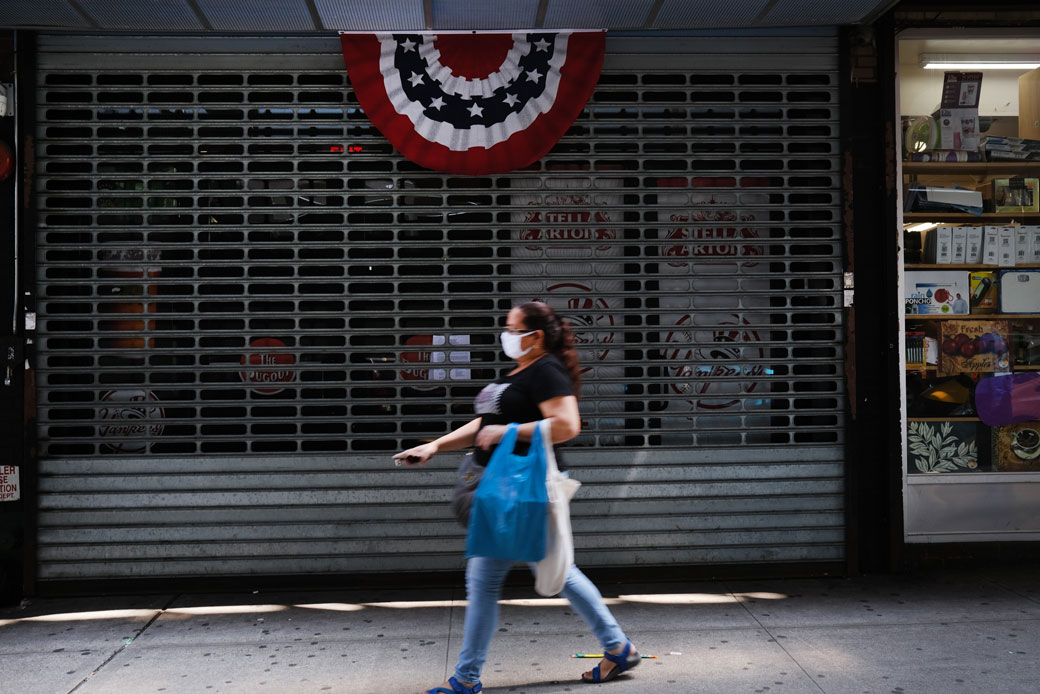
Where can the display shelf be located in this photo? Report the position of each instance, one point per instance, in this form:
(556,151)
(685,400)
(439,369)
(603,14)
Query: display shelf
(969,316)
(970,167)
(968,217)
(982,169)
(981,477)
(1014,368)
(968,266)
(943,419)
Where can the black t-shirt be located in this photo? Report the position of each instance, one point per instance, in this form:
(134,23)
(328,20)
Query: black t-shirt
(516,398)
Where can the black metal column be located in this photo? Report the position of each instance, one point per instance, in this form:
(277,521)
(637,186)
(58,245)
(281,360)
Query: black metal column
(869,136)
(17,471)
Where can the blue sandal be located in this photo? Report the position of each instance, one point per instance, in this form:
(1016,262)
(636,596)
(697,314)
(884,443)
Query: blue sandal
(623,661)
(456,688)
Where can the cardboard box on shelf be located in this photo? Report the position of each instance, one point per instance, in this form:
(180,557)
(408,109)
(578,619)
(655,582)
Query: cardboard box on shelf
(983,291)
(1001,148)
(958,128)
(1017,194)
(939,199)
(936,292)
(1006,247)
(1026,343)
(1020,291)
(1023,155)
(958,116)
(973,250)
(1029,105)
(947,155)
(938,245)
(960,245)
(991,245)
(1023,243)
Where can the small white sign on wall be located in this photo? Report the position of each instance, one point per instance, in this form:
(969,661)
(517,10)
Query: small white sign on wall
(10,488)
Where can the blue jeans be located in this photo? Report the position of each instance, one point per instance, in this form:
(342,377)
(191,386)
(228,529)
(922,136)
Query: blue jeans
(484,579)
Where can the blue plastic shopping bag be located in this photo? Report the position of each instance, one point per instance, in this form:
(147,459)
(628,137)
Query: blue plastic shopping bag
(510,510)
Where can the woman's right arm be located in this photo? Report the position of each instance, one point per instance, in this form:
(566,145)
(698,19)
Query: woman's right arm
(463,437)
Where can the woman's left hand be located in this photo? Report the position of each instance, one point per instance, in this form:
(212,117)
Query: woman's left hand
(490,435)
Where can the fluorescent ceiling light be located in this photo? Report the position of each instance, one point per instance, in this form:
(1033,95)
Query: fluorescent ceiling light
(979,61)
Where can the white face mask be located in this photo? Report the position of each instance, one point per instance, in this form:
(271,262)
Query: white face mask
(511,344)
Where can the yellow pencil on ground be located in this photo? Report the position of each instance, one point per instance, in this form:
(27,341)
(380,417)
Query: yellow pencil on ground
(600,655)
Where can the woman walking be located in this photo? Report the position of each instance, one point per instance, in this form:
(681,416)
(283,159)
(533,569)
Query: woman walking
(543,385)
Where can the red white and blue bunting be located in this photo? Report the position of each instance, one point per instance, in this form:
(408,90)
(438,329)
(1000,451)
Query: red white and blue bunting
(473,103)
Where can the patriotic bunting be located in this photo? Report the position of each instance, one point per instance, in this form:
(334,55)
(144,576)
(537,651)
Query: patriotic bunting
(473,103)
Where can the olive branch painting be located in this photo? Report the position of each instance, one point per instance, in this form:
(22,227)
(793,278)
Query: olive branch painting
(935,448)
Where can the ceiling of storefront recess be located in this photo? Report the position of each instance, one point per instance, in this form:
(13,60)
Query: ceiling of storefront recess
(306,16)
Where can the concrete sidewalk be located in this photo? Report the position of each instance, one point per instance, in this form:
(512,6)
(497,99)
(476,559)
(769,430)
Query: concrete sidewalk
(945,631)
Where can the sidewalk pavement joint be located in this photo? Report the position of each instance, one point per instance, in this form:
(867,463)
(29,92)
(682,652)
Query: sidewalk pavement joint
(126,642)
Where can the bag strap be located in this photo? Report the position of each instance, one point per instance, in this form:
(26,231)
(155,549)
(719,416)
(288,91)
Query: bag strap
(508,440)
(545,430)
(539,437)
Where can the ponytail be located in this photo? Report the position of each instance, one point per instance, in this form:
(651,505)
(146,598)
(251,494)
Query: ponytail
(559,338)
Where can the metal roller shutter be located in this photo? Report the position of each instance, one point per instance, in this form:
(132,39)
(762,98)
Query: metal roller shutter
(248,302)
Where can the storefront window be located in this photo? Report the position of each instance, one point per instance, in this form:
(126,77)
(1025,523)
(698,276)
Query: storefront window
(971,269)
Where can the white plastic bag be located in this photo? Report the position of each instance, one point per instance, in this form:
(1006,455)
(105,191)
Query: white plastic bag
(551,571)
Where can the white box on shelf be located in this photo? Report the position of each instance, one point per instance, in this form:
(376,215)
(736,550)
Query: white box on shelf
(953,196)
(959,128)
(1023,243)
(973,249)
(1020,291)
(991,245)
(1034,245)
(943,245)
(1006,247)
(959,246)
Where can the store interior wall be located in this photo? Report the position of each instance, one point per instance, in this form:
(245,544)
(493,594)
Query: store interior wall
(920,89)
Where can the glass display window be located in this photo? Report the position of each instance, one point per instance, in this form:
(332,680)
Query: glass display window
(970,147)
